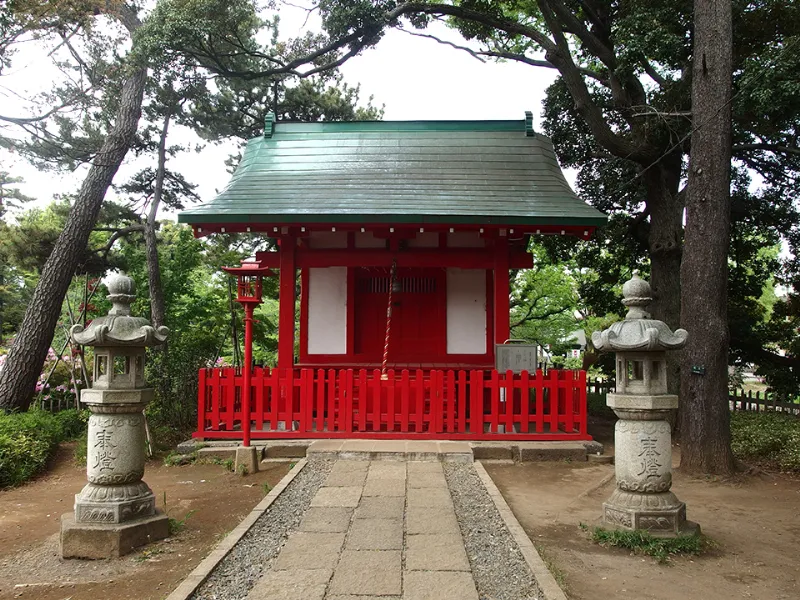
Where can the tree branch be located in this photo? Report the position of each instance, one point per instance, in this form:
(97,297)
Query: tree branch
(557,52)
(778,149)
(776,359)
(118,233)
(654,75)
(540,63)
(38,118)
(470,51)
(540,317)
(595,45)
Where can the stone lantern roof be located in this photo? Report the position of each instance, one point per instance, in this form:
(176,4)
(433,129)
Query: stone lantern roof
(638,331)
(119,328)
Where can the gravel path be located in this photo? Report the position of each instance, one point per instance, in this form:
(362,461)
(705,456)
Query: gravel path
(254,553)
(498,567)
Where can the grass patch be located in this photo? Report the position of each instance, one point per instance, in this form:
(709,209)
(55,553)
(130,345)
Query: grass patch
(174,459)
(226,463)
(29,439)
(149,553)
(768,438)
(81,451)
(175,525)
(642,542)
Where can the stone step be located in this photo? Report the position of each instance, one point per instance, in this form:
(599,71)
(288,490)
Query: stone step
(444,451)
(440,450)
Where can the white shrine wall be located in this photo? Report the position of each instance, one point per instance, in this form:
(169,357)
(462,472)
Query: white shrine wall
(327,310)
(466,311)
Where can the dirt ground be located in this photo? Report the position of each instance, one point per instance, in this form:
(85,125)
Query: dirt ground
(30,517)
(754,522)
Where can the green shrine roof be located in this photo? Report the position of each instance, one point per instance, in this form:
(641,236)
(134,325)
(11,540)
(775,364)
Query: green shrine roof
(487,172)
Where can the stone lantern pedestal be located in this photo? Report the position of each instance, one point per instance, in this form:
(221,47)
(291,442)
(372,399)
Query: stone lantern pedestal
(643,435)
(116,511)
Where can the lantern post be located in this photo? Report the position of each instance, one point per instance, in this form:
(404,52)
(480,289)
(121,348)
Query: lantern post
(642,499)
(116,511)
(249,294)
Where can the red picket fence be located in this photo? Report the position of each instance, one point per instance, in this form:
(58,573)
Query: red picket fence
(428,404)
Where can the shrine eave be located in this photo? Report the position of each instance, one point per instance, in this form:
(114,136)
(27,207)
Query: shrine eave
(197,218)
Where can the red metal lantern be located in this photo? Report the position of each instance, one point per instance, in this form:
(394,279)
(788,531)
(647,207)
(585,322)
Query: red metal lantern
(248,294)
(249,276)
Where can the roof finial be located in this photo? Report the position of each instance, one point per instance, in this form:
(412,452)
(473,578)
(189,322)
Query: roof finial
(121,293)
(529,124)
(636,295)
(269,124)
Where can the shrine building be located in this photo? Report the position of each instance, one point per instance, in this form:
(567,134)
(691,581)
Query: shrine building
(404,235)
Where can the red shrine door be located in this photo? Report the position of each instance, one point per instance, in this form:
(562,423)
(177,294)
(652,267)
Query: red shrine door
(419,318)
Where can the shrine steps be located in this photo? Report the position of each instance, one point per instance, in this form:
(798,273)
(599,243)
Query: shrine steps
(445,451)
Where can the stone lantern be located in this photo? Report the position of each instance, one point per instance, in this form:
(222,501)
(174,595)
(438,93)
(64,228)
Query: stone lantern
(643,436)
(116,511)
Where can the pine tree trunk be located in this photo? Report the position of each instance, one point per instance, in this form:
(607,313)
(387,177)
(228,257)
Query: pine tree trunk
(27,354)
(666,229)
(705,416)
(158,311)
(665,205)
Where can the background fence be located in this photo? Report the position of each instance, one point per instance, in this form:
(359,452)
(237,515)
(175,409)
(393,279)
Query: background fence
(739,400)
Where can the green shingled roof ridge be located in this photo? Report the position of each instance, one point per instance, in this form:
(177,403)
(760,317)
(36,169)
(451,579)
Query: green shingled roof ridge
(268,164)
(290,127)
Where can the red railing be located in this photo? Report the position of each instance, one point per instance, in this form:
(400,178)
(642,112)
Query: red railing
(430,404)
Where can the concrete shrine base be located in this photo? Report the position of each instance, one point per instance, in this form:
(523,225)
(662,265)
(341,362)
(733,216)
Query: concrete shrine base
(111,540)
(247,459)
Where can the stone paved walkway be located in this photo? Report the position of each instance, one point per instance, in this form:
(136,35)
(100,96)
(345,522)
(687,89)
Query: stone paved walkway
(379,530)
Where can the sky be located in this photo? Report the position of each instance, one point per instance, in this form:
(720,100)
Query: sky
(412,77)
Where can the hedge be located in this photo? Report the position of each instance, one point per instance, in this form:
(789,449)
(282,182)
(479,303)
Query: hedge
(29,439)
(767,437)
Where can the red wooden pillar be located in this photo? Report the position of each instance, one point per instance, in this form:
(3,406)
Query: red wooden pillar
(501,291)
(286,298)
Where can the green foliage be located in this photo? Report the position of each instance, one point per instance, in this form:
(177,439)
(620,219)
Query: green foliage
(764,181)
(642,542)
(544,301)
(196,298)
(72,422)
(174,459)
(175,525)
(245,51)
(226,463)
(28,440)
(567,362)
(81,452)
(596,406)
(769,438)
